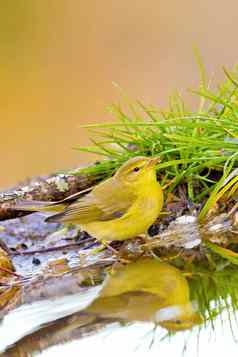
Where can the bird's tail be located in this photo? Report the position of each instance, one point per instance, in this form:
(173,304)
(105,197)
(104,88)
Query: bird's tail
(38,206)
(57,218)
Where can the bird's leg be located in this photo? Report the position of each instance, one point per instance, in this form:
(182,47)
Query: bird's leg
(115,252)
(144,237)
(105,244)
(146,246)
(109,247)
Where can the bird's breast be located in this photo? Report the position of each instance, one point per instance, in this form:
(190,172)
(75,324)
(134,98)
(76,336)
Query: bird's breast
(148,207)
(142,213)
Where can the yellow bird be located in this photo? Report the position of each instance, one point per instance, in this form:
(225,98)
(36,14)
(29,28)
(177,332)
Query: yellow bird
(119,208)
(147,290)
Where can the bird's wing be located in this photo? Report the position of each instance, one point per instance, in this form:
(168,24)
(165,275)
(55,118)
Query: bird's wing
(107,201)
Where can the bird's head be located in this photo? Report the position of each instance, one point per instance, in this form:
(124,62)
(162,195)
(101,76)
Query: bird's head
(183,323)
(139,170)
(178,318)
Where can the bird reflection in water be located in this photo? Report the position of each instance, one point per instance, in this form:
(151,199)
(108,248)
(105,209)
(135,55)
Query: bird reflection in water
(146,291)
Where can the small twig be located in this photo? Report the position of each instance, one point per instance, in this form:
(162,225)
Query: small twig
(169,183)
(233,209)
(51,249)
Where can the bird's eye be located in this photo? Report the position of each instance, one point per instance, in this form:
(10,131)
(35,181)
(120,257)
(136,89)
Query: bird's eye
(136,169)
(178,322)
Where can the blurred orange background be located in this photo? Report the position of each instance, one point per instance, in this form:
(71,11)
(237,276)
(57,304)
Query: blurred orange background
(59,59)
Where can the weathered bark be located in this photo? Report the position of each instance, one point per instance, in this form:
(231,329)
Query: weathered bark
(51,188)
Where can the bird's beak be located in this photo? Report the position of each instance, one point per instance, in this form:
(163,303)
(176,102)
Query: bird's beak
(154,161)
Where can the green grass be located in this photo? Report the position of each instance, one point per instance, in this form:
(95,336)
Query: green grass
(213,283)
(214,288)
(198,149)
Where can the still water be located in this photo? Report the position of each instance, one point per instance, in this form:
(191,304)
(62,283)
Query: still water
(141,307)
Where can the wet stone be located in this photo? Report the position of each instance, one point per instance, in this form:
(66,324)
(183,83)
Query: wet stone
(36,261)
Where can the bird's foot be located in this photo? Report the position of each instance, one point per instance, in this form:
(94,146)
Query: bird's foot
(104,246)
(114,252)
(146,246)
